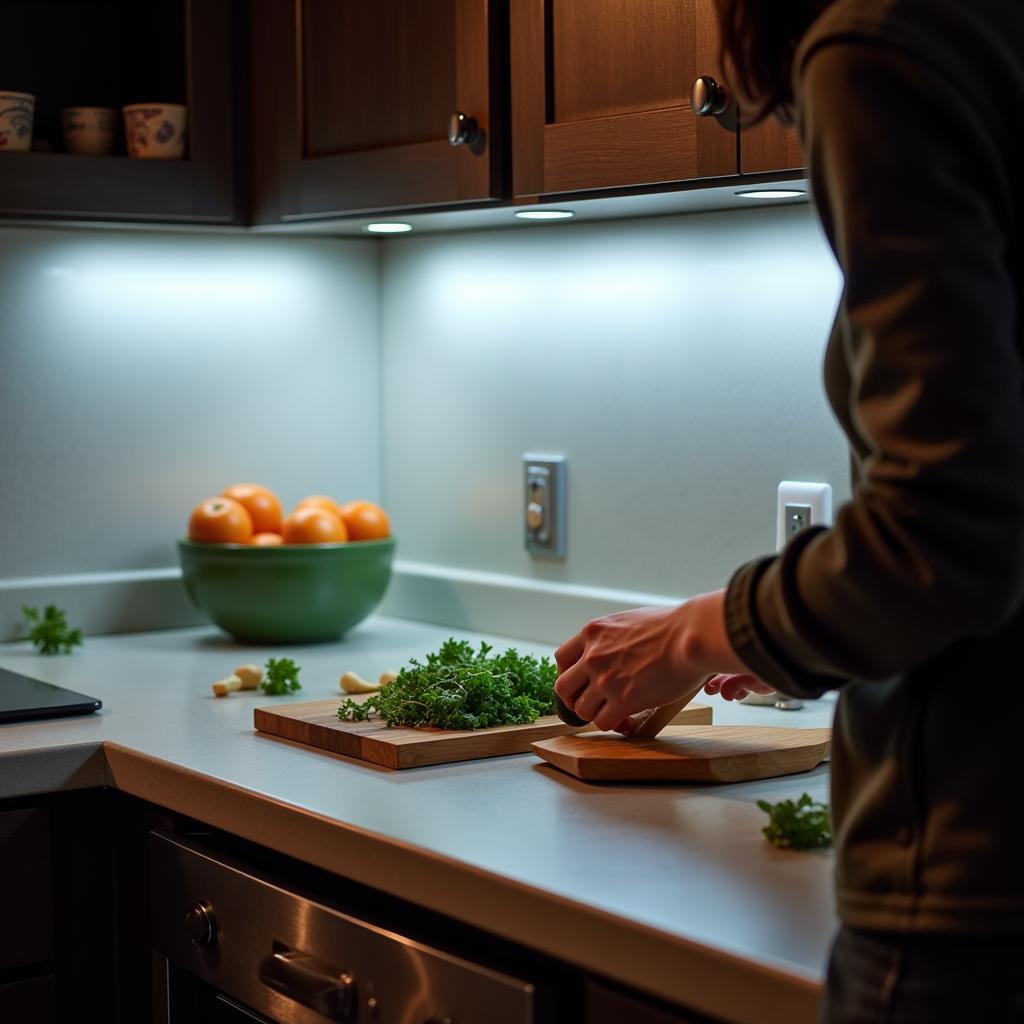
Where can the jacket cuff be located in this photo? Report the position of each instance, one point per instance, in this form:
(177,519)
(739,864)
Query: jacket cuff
(753,643)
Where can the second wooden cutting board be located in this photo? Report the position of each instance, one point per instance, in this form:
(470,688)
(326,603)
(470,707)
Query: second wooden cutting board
(689,753)
(316,724)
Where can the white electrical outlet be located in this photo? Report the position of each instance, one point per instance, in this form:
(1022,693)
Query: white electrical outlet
(800,505)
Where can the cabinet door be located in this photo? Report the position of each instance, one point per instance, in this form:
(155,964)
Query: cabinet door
(352,101)
(769,147)
(609,1006)
(600,95)
(29,1001)
(99,53)
(26,936)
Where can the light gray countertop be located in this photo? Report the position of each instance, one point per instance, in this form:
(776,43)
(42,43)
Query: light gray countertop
(665,887)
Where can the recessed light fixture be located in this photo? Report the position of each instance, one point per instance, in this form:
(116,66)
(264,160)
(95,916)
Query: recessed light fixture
(772,193)
(544,214)
(389,228)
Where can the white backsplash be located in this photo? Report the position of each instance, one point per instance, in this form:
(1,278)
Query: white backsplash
(141,372)
(676,362)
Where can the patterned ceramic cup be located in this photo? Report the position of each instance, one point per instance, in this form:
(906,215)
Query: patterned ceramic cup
(16,112)
(89,131)
(155,130)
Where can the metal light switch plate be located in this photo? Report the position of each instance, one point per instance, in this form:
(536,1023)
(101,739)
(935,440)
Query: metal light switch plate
(544,504)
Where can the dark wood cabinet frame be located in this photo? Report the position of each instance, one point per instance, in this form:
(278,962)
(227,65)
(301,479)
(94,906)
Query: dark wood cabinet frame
(289,186)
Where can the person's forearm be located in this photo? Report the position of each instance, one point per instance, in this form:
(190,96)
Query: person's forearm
(702,642)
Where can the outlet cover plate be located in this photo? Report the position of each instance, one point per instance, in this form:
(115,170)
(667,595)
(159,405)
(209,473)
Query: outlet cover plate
(544,504)
(814,502)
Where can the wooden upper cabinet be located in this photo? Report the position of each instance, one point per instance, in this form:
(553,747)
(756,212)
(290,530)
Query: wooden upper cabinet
(601,95)
(353,99)
(768,147)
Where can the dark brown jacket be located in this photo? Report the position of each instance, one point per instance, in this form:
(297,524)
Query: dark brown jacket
(912,116)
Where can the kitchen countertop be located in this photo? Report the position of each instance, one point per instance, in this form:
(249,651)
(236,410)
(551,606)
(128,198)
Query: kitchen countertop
(668,888)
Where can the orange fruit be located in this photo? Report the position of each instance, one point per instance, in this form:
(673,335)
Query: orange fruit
(320,501)
(365,521)
(266,539)
(312,525)
(220,521)
(261,503)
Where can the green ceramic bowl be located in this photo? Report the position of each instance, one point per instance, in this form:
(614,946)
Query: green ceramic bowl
(300,593)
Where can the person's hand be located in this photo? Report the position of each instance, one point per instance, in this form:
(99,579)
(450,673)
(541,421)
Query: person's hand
(736,687)
(623,664)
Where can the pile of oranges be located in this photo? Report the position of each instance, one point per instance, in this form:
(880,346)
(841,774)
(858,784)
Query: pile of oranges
(252,514)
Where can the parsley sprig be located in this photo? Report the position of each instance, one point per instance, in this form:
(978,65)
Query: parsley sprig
(461,688)
(802,824)
(50,631)
(281,677)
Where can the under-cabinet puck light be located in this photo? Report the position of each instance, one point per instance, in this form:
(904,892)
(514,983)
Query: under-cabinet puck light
(389,228)
(544,214)
(772,193)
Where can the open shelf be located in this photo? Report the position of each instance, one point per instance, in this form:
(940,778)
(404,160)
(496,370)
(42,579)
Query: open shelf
(112,53)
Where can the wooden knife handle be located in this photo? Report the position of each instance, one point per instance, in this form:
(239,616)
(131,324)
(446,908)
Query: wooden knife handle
(658,718)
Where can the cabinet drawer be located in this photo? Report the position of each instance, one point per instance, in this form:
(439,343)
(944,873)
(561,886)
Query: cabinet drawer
(27,933)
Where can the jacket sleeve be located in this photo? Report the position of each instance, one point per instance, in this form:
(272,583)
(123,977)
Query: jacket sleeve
(931,547)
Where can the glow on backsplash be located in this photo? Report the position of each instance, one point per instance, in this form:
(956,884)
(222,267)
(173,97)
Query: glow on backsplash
(675,361)
(141,372)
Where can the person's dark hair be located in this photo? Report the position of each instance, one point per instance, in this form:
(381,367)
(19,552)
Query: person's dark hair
(759,39)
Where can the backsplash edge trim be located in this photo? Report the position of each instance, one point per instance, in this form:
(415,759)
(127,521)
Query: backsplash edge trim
(125,602)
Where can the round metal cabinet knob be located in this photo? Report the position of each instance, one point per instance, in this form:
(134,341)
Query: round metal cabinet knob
(462,129)
(201,924)
(707,97)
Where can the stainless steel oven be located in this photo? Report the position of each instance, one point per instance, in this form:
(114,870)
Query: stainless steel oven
(230,945)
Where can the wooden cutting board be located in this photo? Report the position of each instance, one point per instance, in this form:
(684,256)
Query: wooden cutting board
(316,724)
(688,753)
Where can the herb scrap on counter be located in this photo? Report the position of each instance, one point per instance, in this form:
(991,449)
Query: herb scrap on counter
(461,688)
(802,824)
(281,677)
(49,631)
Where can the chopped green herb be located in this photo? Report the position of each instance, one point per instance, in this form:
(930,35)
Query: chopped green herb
(459,688)
(49,631)
(281,677)
(802,824)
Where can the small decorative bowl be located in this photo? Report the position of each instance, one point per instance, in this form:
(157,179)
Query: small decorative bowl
(292,593)
(89,131)
(155,131)
(17,112)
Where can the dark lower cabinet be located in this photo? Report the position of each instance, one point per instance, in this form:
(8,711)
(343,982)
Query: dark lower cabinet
(27,991)
(26,899)
(29,1002)
(605,1005)
(93,926)
(73,918)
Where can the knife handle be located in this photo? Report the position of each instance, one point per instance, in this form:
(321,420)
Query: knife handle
(658,718)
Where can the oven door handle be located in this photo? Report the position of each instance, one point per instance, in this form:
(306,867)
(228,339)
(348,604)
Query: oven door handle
(309,981)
